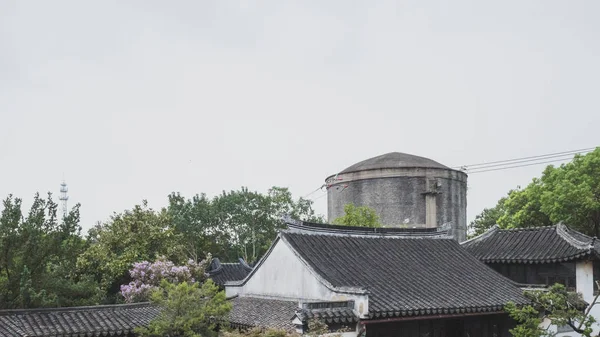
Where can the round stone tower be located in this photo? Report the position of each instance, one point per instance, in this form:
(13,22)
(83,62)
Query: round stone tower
(405,191)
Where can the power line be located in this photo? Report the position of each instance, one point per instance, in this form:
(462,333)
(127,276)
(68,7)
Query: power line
(313,192)
(515,160)
(515,166)
(321,196)
(555,157)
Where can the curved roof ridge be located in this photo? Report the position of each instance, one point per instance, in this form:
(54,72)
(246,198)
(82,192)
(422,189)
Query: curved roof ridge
(79,308)
(565,233)
(556,243)
(218,266)
(245,264)
(483,235)
(518,229)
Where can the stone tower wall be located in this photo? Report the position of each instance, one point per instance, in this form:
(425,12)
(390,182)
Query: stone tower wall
(411,197)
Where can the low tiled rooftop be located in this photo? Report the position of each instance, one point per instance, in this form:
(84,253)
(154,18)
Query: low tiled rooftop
(532,245)
(221,273)
(336,315)
(108,320)
(279,314)
(405,276)
(249,312)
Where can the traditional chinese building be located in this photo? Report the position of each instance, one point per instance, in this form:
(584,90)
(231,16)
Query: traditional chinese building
(543,256)
(374,281)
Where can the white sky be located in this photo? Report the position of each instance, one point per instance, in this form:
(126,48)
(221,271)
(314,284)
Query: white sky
(132,100)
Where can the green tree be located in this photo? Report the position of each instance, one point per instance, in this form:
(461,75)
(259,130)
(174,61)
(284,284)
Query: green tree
(38,255)
(132,236)
(362,216)
(238,223)
(486,219)
(572,193)
(556,304)
(569,193)
(196,219)
(187,309)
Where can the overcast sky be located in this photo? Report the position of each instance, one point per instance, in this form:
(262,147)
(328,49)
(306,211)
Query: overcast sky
(132,100)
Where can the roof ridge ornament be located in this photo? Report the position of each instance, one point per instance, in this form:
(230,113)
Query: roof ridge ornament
(563,232)
(244,264)
(218,266)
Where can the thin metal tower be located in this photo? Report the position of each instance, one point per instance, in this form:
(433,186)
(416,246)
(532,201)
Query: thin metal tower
(64,198)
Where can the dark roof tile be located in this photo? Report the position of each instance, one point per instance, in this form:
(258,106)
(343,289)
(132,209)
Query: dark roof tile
(221,273)
(334,315)
(406,276)
(105,320)
(262,312)
(531,245)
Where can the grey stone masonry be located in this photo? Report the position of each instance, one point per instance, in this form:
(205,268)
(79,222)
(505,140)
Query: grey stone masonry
(403,196)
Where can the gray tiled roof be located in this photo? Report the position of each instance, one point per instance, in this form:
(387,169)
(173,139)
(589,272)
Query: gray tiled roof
(279,314)
(108,320)
(221,273)
(532,245)
(262,312)
(406,276)
(8,328)
(334,315)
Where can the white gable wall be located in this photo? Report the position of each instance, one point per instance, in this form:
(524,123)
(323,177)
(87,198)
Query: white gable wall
(283,275)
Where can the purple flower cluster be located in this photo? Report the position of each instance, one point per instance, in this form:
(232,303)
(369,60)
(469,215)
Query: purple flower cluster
(147,276)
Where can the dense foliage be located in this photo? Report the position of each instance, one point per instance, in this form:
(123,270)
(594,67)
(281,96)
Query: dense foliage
(235,224)
(358,216)
(38,254)
(558,306)
(569,193)
(134,235)
(187,309)
(45,261)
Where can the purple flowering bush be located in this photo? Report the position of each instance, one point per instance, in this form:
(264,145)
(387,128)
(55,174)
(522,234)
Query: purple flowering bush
(147,276)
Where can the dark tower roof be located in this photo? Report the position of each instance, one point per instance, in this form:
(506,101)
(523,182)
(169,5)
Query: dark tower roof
(394,160)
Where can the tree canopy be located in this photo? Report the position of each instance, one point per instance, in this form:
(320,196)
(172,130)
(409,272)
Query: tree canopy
(38,254)
(358,216)
(235,224)
(188,309)
(134,235)
(557,305)
(45,261)
(569,193)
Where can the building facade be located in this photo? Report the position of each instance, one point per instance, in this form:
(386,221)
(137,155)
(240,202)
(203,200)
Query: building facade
(375,282)
(540,257)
